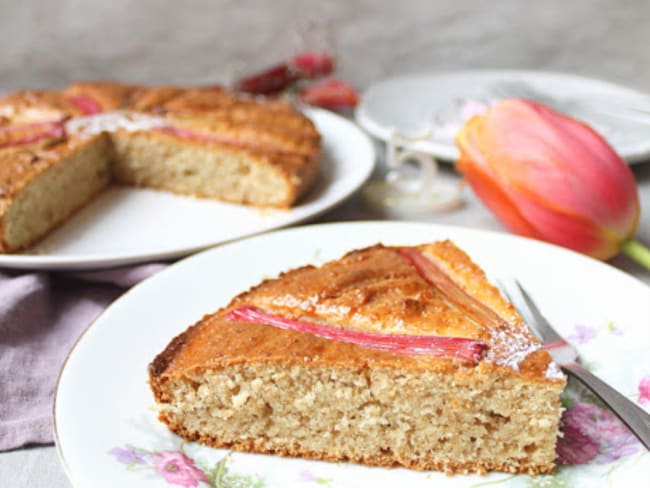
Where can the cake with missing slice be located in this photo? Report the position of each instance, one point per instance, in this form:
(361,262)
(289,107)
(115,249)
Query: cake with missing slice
(389,356)
(58,149)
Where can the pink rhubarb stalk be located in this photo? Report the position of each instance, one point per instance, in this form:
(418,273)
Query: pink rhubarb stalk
(431,272)
(451,347)
(31,133)
(85,105)
(273,80)
(313,64)
(269,81)
(190,134)
(33,127)
(193,135)
(331,94)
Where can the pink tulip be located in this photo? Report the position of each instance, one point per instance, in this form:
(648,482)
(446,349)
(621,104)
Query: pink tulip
(550,177)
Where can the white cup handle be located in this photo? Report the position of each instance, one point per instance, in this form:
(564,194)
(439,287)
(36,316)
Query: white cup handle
(396,157)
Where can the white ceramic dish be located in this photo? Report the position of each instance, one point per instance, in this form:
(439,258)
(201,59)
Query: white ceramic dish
(106,428)
(129,225)
(410,104)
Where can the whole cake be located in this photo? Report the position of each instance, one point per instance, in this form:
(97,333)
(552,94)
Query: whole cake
(58,149)
(389,356)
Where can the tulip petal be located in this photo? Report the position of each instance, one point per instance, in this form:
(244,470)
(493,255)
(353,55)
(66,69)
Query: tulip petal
(563,162)
(482,179)
(568,230)
(550,177)
(529,218)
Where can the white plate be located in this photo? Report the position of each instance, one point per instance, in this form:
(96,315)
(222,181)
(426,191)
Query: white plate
(128,225)
(409,104)
(103,402)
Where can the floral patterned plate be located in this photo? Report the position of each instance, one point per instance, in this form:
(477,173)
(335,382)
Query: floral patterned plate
(106,427)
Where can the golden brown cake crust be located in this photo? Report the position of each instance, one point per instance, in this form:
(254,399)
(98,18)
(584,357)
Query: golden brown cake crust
(373,289)
(28,106)
(109,95)
(20,167)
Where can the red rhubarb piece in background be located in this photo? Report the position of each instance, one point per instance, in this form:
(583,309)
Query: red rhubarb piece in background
(332,93)
(269,81)
(312,64)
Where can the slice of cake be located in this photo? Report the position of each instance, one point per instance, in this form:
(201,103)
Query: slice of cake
(205,142)
(388,356)
(41,187)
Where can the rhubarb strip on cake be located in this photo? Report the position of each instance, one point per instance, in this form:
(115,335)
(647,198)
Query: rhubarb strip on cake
(387,356)
(452,347)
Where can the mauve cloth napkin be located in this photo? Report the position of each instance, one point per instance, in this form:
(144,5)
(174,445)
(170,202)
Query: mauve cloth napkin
(41,316)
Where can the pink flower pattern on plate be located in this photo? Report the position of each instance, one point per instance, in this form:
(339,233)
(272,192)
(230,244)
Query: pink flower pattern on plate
(644,390)
(594,435)
(583,334)
(178,469)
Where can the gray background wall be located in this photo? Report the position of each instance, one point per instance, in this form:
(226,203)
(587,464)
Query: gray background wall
(50,43)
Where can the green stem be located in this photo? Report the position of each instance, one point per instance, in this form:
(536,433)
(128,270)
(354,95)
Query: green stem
(220,473)
(637,251)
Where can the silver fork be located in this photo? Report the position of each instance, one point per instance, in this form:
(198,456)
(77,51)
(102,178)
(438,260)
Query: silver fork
(636,419)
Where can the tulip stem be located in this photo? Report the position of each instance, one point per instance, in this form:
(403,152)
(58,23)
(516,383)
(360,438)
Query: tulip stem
(637,251)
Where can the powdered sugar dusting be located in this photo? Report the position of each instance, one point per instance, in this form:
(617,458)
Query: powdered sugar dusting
(510,348)
(553,371)
(113,121)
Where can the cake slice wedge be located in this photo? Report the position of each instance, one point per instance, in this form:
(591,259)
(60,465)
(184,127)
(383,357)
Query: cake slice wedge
(41,187)
(389,356)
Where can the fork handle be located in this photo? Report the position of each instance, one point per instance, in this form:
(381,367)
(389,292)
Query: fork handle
(637,420)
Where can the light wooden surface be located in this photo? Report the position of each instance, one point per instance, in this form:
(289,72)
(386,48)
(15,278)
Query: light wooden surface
(50,43)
